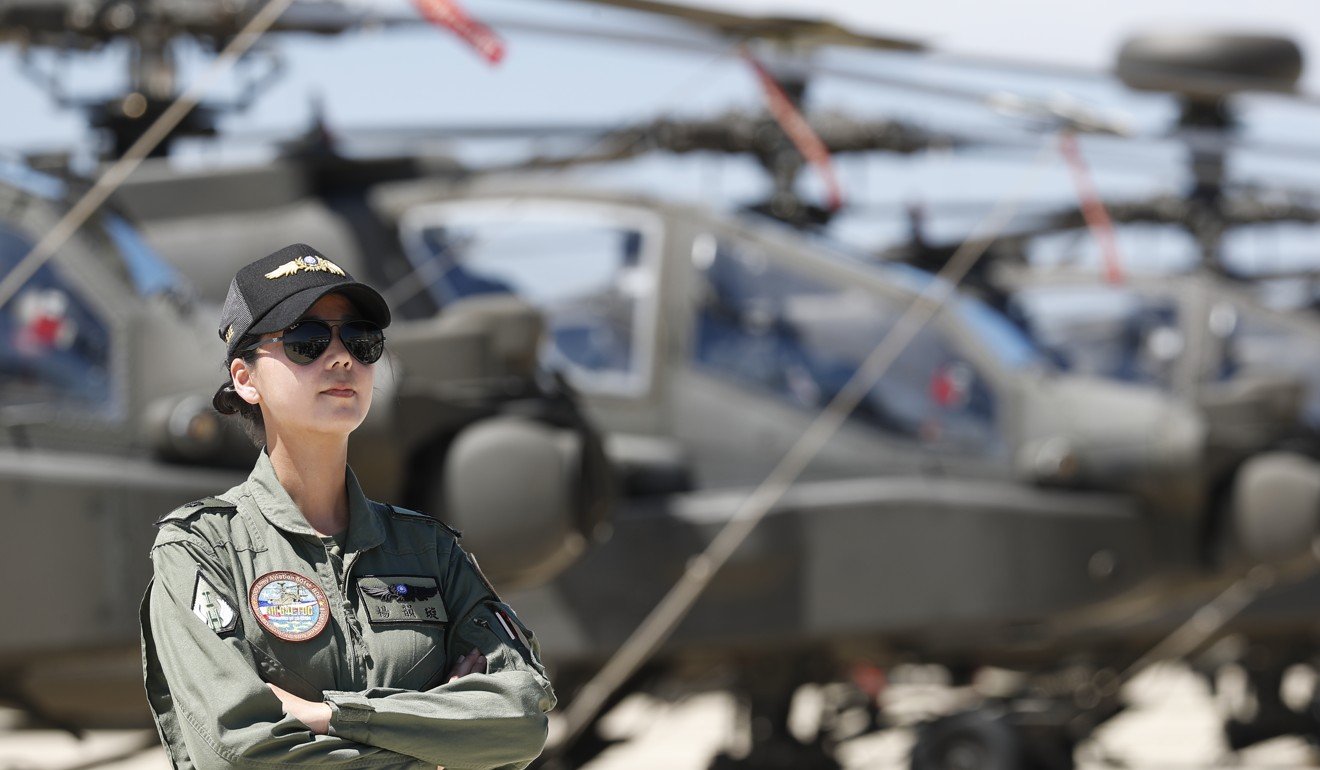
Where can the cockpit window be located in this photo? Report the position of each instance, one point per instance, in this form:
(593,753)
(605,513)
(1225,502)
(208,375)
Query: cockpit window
(594,276)
(53,348)
(1004,339)
(800,338)
(1109,332)
(1008,342)
(116,243)
(31,181)
(149,273)
(1255,341)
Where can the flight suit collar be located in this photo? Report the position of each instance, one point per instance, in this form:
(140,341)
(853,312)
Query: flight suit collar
(365,529)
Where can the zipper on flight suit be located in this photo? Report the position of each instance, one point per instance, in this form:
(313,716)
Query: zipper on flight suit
(359,659)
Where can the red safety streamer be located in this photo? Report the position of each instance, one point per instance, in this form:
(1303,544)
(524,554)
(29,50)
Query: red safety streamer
(797,128)
(448,14)
(1093,209)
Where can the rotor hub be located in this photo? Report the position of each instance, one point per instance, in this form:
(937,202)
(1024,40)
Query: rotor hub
(1209,67)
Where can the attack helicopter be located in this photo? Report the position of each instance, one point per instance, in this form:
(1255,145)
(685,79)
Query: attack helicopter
(107,371)
(1212,325)
(979,507)
(107,368)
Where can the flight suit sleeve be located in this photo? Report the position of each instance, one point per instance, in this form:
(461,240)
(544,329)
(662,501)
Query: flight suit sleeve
(491,720)
(212,708)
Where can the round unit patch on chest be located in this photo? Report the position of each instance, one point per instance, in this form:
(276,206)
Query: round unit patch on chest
(290,606)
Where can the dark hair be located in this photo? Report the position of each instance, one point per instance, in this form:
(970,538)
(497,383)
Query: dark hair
(227,401)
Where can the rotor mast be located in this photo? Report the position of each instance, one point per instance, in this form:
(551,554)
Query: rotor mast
(152,88)
(151,30)
(1205,72)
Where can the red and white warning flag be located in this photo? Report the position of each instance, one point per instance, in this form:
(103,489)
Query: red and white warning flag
(1093,209)
(450,15)
(799,131)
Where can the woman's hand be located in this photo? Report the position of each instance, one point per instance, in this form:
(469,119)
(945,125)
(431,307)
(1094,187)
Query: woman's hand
(472,663)
(316,715)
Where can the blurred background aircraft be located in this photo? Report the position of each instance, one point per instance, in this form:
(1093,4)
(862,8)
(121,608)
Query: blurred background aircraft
(1179,346)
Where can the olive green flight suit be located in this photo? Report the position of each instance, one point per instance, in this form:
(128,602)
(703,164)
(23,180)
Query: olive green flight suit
(381,660)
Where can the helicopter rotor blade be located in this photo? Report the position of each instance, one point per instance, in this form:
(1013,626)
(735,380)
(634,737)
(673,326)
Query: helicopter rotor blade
(1173,80)
(738,134)
(1170,210)
(1053,114)
(615,150)
(798,32)
(396,135)
(61,23)
(31,19)
(698,43)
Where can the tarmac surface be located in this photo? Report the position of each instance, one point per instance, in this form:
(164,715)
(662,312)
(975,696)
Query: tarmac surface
(1173,724)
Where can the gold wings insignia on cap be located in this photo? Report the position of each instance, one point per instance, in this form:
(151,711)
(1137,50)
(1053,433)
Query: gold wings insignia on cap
(308,264)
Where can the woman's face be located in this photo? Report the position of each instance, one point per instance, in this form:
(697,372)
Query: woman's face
(331,395)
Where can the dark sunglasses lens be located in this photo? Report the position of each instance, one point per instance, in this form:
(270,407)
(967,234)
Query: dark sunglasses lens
(305,342)
(364,340)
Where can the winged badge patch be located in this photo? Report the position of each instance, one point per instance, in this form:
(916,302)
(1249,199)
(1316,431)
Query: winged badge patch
(402,599)
(307,264)
(400,592)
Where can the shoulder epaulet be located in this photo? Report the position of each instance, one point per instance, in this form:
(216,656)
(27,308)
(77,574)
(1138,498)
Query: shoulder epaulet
(195,508)
(407,515)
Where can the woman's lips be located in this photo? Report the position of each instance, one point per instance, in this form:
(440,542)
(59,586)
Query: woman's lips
(340,392)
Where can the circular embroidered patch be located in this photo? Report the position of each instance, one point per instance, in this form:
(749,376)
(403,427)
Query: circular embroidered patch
(290,606)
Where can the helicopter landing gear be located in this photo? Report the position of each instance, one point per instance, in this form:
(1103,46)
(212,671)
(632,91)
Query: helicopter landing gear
(777,755)
(768,702)
(988,739)
(1271,717)
(589,743)
(970,740)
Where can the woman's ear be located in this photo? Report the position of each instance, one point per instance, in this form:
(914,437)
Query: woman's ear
(245,384)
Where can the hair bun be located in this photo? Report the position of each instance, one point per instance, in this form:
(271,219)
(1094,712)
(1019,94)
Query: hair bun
(225,399)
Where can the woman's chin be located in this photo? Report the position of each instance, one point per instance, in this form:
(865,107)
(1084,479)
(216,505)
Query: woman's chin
(330,423)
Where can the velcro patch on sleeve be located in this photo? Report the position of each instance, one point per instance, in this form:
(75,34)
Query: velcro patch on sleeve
(513,630)
(211,608)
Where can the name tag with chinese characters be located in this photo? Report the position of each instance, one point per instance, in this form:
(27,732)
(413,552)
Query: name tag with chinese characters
(401,599)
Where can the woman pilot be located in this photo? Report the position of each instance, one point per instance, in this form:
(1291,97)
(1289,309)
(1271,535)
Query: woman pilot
(292,621)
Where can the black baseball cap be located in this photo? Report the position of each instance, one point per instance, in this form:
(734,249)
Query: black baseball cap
(270,294)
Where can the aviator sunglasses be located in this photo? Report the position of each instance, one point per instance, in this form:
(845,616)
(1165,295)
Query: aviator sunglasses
(305,341)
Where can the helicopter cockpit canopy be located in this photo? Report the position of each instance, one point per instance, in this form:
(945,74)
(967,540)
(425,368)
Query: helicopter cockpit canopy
(57,339)
(741,312)
(119,246)
(777,327)
(53,344)
(1180,335)
(591,268)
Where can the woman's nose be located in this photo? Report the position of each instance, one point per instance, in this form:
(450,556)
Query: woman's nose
(337,354)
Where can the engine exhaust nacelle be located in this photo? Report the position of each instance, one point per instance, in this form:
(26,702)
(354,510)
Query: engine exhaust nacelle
(1275,508)
(528,496)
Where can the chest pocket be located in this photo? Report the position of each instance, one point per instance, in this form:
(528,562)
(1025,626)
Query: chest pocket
(289,629)
(408,623)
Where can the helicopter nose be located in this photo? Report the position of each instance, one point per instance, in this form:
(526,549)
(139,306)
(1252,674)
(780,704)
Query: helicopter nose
(1275,508)
(1081,430)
